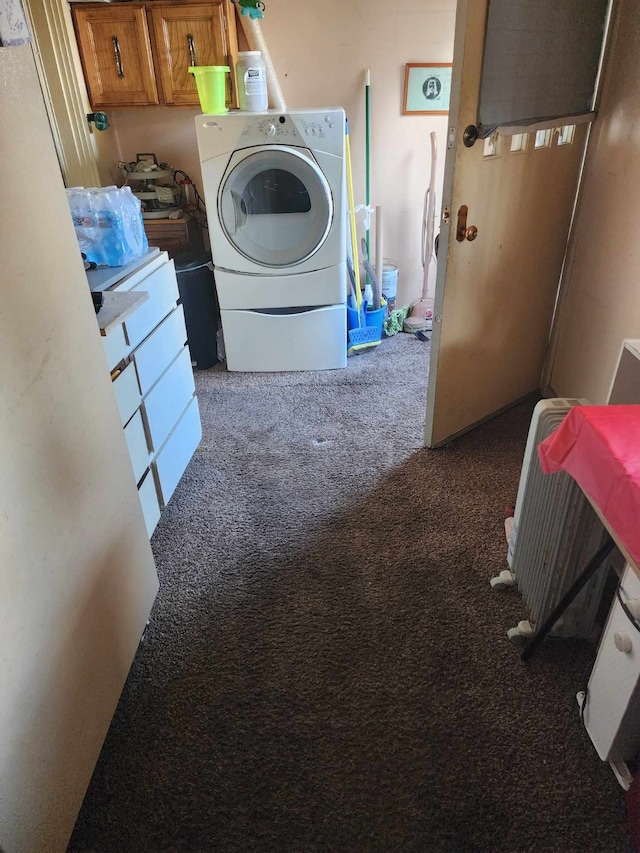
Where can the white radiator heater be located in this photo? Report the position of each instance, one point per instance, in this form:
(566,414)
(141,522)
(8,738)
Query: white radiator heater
(554,535)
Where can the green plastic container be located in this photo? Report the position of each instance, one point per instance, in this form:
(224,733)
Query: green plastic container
(212,87)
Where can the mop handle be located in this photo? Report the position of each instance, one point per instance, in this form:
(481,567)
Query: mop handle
(432,192)
(367,146)
(352,214)
(429,217)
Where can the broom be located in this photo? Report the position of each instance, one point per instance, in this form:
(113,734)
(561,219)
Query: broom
(363,336)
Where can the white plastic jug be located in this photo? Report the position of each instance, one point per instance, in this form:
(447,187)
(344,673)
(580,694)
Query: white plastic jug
(252,82)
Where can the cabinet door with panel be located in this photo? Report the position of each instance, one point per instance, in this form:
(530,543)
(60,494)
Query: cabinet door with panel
(187,35)
(115,48)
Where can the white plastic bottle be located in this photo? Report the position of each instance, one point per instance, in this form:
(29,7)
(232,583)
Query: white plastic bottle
(252,82)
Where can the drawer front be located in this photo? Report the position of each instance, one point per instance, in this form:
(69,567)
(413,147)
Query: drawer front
(158,351)
(168,399)
(115,346)
(172,234)
(162,288)
(149,503)
(137,444)
(127,392)
(310,339)
(168,243)
(614,684)
(171,462)
(133,279)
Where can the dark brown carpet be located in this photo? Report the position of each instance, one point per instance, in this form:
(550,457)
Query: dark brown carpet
(326,668)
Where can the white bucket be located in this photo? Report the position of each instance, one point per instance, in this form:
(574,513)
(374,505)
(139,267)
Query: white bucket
(389,283)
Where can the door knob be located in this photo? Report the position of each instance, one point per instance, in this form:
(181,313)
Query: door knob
(622,642)
(463,231)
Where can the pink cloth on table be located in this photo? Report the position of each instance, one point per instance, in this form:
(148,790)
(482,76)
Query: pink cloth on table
(599,446)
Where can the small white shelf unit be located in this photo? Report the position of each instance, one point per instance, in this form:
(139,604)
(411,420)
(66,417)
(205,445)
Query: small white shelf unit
(149,360)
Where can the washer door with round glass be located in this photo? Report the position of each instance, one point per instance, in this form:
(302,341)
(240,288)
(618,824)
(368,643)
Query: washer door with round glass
(275,205)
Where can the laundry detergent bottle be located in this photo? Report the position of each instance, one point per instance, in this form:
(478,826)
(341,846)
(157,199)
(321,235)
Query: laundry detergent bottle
(252,82)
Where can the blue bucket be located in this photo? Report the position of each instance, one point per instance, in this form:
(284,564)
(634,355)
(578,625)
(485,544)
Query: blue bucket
(352,317)
(376,318)
(371,318)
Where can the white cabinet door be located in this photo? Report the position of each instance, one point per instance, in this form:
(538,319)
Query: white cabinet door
(115,346)
(162,288)
(168,399)
(149,503)
(127,392)
(159,349)
(174,457)
(612,713)
(137,444)
(133,279)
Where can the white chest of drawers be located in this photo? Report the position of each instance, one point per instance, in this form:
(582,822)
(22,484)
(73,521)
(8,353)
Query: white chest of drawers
(611,712)
(148,357)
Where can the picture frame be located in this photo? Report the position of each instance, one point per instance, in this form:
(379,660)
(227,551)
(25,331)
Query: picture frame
(427,88)
(13,24)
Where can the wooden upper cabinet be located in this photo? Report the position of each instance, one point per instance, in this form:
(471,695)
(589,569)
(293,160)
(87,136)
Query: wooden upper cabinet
(185,35)
(138,54)
(116,55)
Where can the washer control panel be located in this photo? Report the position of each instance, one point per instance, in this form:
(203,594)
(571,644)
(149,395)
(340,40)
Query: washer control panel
(317,128)
(320,130)
(272,128)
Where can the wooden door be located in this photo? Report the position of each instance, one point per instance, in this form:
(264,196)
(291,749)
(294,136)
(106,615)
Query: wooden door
(187,35)
(115,49)
(495,295)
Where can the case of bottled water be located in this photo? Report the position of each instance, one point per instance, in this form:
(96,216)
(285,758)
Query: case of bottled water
(108,223)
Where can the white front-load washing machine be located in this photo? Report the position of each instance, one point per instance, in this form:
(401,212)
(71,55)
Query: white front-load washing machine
(274,185)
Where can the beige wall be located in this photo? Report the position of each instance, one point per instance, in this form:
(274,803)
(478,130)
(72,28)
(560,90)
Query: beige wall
(77,577)
(601,305)
(168,132)
(107,155)
(320,51)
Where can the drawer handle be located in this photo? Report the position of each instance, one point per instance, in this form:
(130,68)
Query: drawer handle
(623,642)
(192,50)
(118,56)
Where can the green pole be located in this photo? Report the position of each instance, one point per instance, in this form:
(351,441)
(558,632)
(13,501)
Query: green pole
(367,152)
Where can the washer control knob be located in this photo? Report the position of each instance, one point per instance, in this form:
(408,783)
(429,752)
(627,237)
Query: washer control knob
(271,130)
(622,642)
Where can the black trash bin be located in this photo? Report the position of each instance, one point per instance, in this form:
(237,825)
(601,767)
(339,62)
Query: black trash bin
(197,288)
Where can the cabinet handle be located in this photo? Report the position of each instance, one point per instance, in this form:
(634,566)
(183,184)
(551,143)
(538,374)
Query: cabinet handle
(192,50)
(117,55)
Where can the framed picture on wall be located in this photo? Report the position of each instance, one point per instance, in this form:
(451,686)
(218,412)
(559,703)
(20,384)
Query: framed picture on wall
(13,24)
(427,87)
